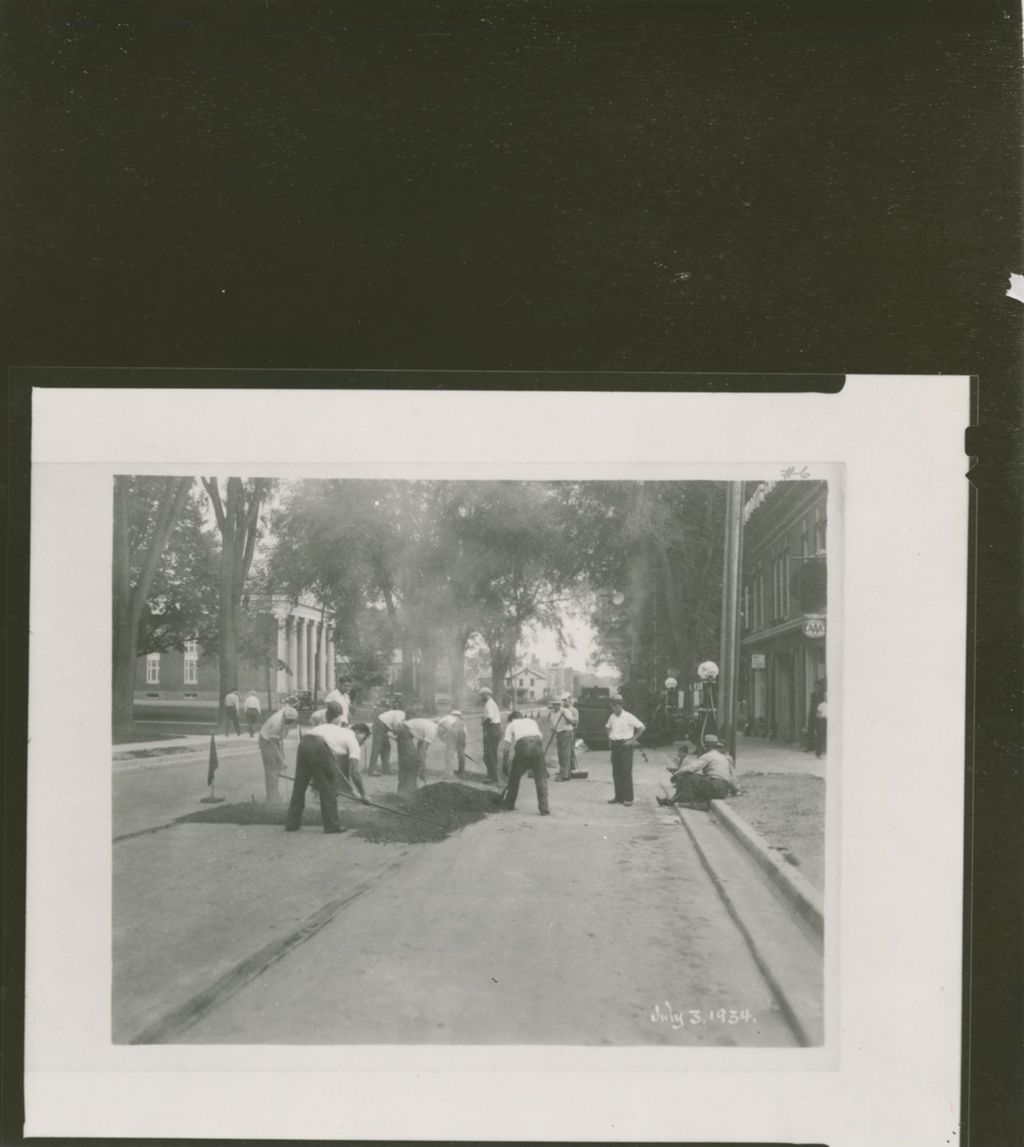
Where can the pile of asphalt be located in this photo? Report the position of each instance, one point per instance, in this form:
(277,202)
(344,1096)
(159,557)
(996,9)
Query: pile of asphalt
(435,812)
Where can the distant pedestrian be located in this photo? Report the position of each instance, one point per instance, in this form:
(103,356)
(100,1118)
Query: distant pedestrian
(452,731)
(385,726)
(624,730)
(271,743)
(328,757)
(810,734)
(522,740)
(492,733)
(253,711)
(231,706)
(821,727)
(424,732)
(340,697)
(564,718)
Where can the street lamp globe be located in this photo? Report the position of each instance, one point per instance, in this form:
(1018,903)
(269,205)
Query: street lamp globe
(707,671)
(670,683)
(618,597)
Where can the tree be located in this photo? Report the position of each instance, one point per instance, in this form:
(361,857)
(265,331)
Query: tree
(515,560)
(238,519)
(182,603)
(657,546)
(145,513)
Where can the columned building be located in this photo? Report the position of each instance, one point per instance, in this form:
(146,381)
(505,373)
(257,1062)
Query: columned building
(784,615)
(301,659)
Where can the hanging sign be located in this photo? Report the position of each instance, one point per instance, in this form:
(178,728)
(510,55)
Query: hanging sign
(814,625)
(758,660)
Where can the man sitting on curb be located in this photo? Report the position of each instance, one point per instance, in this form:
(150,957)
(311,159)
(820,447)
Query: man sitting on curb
(328,755)
(699,780)
(522,738)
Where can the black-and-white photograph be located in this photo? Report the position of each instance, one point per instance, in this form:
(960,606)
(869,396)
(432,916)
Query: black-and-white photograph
(471,762)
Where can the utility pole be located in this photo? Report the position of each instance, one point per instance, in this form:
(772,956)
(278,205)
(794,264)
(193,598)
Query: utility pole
(731,613)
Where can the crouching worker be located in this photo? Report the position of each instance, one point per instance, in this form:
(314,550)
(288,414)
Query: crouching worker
(328,757)
(522,740)
(708,777)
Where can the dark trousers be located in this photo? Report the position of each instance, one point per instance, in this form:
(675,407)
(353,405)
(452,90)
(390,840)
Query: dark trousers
(492,739)
(380,746)
(697,787)
(622,770)
(528,758)
(820,735)
(408,761)
(252,719)
(231,717)
(314,764)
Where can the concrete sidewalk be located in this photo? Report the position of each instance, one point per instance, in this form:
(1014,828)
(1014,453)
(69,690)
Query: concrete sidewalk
(757,755)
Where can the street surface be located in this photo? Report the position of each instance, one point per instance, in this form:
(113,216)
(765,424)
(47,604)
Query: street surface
(571,929)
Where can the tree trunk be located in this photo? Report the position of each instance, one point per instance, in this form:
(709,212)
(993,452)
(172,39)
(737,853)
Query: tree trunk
(227,651)
(501,663)
(129,600)
(428,675)
(123,651)
(455,649)
(408,677)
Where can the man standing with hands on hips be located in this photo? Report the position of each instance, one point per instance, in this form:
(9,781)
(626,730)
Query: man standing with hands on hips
(624,730)
(564,718)
(492,733)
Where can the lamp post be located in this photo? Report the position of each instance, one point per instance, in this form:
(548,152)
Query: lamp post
(731,612)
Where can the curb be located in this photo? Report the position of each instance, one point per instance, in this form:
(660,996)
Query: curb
(775,976)
(803,896)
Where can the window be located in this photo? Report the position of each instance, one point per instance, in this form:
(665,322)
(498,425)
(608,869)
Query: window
(152,668)
(191,662)
(819,533)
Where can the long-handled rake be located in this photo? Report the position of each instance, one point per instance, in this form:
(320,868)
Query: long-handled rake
(373,804)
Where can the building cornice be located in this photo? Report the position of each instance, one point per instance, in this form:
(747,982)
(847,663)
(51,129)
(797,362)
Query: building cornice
(762,635)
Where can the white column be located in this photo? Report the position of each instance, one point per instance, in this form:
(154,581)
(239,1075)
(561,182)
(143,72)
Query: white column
(281,677)
(301,655)
(321,660)
(310,653)
(293,653)
(332,681)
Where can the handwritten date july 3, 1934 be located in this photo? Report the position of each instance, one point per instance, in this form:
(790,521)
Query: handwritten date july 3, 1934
(692,1017)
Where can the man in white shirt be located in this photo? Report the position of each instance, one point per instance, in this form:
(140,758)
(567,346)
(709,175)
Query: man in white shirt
(385,726)
(564,718)
(231,704)
(424,732)
(452,731)
(624,730)
(253,711)
(328,755)
(342,699)
(492,733)
(522,739)
(271,743)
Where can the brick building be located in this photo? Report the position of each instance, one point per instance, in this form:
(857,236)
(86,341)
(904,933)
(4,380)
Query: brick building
(783,619)
(305,646)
